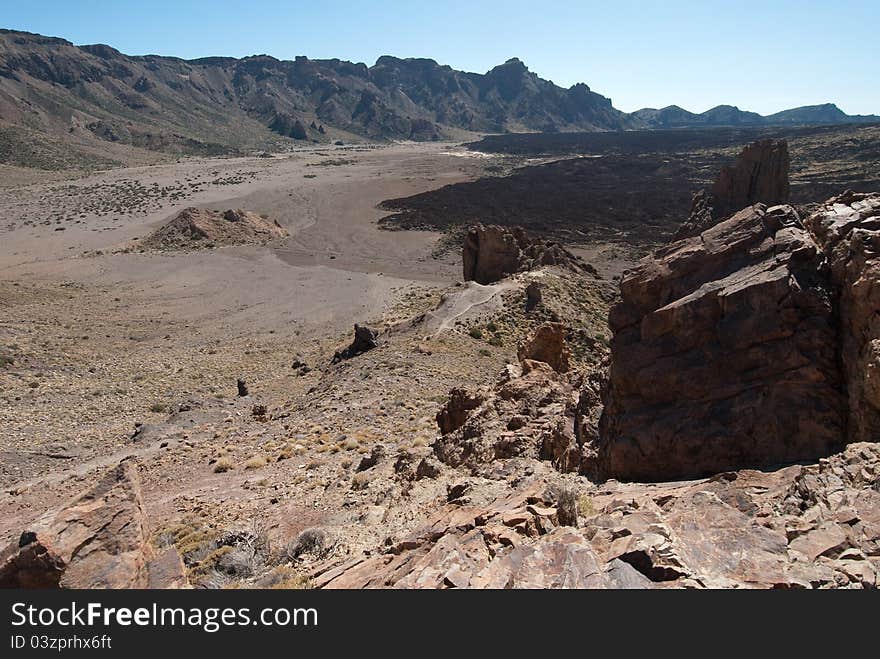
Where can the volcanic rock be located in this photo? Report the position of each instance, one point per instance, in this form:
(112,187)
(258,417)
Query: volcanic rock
(546,344)
(749,529)
(724,355)
(197,228)
(760,175)
(365,340)
(493,252)
(528,415)
(750,345)
(847,229)
(99,540)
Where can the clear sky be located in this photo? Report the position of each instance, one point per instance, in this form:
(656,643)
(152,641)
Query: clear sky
(763,56)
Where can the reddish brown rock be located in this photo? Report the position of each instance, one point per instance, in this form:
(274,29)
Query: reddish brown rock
(546,344)
(725,355)
(97,541)
(816,526)
(847,229)
(755,343)
(491,253)
(455,412)
(514,543)
(526,414)
(759,175)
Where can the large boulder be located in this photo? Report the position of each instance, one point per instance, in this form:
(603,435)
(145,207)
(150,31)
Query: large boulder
(364,340)
(491,253)
(753,344)
(99,540)
(724,355)
(759,175)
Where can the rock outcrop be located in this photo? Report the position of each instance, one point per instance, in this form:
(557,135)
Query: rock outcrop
(759,175)
(99,540)
(493,252)
(198,228)
(847,229)
(365,340)
(727,345)
(814,526)
(515,543)
(528,413)
(546,344)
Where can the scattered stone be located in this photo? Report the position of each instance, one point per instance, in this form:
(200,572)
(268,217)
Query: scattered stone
(377,455)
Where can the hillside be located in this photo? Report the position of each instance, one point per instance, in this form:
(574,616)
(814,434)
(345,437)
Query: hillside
(212,105)
(63,105)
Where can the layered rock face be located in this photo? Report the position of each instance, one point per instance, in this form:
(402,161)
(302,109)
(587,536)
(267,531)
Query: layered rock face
(847,229)
(727,346)
(491,253)
(99,540)
(759,175)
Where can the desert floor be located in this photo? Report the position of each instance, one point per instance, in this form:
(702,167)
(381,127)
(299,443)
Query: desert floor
(99,338)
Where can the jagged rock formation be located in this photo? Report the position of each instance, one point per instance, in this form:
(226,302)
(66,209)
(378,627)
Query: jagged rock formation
(800,527)
(726,346)
(546,344)
(99,540)
(528,413)
(759,175)
(198,228)
(217,103)
(516,542)
(365,340)
(847,229)
(491,253)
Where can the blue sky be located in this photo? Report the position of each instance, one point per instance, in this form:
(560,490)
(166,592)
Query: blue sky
(762,56)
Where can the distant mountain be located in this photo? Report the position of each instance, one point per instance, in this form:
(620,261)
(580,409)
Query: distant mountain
(165,103)
(97,95)
(731,116)
(818,114)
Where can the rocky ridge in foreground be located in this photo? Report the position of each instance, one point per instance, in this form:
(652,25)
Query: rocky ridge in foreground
(727,346)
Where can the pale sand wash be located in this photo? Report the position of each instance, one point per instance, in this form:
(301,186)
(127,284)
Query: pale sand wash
(100,334)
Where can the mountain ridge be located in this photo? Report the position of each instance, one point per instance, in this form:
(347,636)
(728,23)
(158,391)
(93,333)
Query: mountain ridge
(214,104)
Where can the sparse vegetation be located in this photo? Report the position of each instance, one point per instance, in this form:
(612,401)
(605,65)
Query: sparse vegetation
(256,462)
(223,465)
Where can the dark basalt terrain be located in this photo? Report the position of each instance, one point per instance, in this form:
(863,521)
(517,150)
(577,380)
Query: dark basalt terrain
(633,188)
